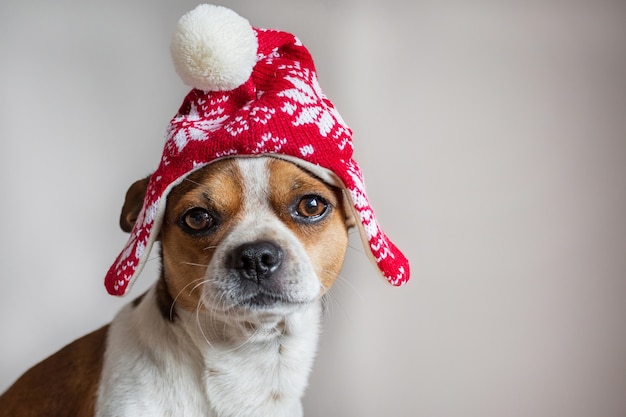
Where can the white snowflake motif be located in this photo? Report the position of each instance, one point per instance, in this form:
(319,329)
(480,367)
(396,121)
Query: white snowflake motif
(307,150)
(227,152)
(399,278)
(269,58)
(194,126)
(141,247)
(237,126)
(198,164)
(346,141)
(126,253)
(307,102)
(262,114)
(151,212)
(269,144)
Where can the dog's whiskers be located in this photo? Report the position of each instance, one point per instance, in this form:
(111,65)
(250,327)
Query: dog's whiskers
(194,264)
(153,258)
(200,327)
(341,279)
(222,314)
(329,299)
(357,249)
(207,320)
(192,181)
(200,280)
(198,285)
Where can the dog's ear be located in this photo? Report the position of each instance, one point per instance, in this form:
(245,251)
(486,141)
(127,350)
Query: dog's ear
(133,203)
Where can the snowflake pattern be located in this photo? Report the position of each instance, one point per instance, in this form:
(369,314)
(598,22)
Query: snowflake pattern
(269,144)
(308,104)
(203,118)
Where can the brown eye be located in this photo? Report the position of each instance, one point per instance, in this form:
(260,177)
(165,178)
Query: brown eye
(311,207)
(197,220)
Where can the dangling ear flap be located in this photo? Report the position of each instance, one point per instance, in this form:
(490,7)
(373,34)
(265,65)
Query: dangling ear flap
(133,203)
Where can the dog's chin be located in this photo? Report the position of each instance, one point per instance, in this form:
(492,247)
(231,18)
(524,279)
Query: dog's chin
(263,301)
(266,302)
(247,301)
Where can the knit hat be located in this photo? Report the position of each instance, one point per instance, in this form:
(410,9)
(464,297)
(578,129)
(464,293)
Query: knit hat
(255,92)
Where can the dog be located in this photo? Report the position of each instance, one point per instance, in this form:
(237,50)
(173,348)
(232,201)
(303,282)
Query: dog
(249,247)
(251,202)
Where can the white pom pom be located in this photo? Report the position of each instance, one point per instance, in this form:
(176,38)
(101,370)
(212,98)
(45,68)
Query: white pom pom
(214,49)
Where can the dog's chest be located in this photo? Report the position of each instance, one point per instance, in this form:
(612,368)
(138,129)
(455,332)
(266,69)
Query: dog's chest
(257,381)
(151,369)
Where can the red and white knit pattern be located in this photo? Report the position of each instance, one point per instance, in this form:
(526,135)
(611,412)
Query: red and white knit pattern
(281,110)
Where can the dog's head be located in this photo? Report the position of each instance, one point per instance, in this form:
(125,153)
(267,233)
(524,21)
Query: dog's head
(248,234)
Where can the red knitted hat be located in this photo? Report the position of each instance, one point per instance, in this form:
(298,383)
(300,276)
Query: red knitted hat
(255,92)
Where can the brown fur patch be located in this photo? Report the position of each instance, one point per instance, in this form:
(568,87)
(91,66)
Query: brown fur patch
(63,385)
(325,241)
(216,188)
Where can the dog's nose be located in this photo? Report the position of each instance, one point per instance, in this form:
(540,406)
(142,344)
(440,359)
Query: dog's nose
(257,260)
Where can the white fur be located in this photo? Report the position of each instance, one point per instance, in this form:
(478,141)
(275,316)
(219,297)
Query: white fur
(219,361)
(213,48)
(156,368)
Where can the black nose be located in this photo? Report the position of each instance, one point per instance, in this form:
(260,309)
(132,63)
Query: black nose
(257,260)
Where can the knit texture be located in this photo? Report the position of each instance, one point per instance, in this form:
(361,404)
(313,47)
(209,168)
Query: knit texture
(279,110)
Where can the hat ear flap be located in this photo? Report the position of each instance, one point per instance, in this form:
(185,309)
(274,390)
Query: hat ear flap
(133,203)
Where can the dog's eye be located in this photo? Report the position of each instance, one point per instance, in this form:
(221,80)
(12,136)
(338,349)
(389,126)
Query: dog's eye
(197,220)
(311,207)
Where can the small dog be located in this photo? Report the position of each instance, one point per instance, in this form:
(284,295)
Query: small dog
(249,246)
(251,202)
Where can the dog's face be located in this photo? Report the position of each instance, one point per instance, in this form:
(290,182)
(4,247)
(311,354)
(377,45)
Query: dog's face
(251,234)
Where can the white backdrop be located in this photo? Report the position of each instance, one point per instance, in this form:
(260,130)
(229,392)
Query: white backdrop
(493,140)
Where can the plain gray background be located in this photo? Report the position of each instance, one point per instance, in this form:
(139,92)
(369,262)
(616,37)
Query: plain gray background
(493,141)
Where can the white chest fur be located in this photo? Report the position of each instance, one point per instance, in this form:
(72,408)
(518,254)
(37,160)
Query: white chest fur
(156,368)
